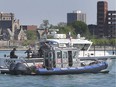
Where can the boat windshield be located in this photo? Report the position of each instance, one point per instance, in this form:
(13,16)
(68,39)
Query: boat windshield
(82,46)
(52,43)
(65,54)
(75,54)
(59,55)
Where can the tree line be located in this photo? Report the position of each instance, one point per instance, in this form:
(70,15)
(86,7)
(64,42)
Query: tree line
(77,27)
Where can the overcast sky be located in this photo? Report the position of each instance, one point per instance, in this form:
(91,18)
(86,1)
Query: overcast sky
(33,12)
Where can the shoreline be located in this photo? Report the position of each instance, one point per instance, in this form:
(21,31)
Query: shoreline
(108,48)
(9,49)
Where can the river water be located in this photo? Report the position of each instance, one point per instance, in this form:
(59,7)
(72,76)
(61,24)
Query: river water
(77,80)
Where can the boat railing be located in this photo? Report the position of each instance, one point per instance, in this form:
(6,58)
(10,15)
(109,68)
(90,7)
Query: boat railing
(27,61)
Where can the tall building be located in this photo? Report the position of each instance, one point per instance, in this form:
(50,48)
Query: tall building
(76,16)
(8,25)
(106,20)
(6,20)
(102,10)
(111,21)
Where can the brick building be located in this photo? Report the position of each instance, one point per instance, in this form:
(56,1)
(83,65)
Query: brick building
(111,21)
(102,10)
(29,27)
(10,28)
(8,25)
(106,20)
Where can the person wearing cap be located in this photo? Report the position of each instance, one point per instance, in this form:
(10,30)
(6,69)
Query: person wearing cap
(12,53)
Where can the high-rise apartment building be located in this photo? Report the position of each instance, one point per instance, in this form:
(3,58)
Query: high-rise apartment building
(76,16)
(106,20)
(111,21)
(102,10)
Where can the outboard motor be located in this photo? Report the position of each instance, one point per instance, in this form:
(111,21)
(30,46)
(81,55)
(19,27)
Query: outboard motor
(19,69)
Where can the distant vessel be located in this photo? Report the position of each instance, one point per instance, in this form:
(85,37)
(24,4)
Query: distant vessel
(81,43)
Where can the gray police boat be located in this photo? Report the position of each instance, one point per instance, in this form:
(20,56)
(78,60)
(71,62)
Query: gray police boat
(57,61)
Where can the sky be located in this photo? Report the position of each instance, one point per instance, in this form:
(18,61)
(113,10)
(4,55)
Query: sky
(33,12)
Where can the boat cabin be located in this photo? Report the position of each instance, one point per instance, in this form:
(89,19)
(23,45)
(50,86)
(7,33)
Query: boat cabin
(61,57)
(81,44)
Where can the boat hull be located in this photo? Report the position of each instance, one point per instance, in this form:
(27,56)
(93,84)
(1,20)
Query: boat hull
(95,68)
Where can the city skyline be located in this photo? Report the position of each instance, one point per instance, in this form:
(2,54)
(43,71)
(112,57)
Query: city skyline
(34,12)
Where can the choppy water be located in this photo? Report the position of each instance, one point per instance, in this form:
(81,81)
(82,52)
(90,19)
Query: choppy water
(78,80)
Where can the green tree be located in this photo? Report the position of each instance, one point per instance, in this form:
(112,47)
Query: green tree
(112,42)
(80,28)
(66,29)
(103,41)
(31,35)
